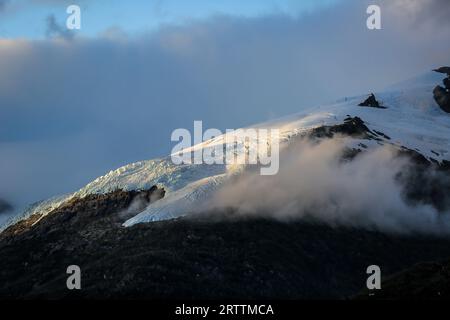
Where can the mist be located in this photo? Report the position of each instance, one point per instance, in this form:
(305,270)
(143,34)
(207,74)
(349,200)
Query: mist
(315,181)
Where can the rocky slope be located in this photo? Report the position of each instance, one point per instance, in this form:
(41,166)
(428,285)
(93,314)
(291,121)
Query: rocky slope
(137,231)
(197,257)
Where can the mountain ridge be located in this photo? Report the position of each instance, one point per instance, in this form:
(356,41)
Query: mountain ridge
(412,120)
(214,254)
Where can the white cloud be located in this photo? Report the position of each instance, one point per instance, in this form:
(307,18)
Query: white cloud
(314,182)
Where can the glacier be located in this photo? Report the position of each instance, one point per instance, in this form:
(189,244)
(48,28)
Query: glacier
(412,119)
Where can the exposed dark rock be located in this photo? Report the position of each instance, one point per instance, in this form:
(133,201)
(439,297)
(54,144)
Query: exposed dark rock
(445,70)
(95,209)
(442,98)
(447,83)
(442,95)
(5,206)
(379,133)
(445,165)
(353,127)
(372,102)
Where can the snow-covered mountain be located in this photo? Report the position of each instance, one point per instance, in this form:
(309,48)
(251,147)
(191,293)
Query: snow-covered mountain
(411,119)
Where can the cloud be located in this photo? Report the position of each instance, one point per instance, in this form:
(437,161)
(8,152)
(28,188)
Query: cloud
(314,182)
(3,4)
(73,110)
(6,211)
(58,3)
(5,206)
(159,8)
(421,12)
(54,29)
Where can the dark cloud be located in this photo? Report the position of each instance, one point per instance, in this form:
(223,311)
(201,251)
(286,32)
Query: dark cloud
(54,29)
(3,4)
(435,9)
(421,12)
(439,11)
(6,211)
(5,206)
(72,110)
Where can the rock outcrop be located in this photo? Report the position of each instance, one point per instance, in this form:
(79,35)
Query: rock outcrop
(371,102)
(442,94)
(442,98)
(445,70)
(95,211)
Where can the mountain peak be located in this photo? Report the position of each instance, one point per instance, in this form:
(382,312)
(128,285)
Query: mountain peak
(411,121)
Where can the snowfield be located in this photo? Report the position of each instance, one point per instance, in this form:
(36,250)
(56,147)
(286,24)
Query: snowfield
(412,120)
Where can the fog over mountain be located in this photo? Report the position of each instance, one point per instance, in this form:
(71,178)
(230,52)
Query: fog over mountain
(314,182)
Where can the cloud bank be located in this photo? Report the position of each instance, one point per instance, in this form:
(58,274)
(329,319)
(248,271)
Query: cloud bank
(419,12)
(315,182)
(54,29)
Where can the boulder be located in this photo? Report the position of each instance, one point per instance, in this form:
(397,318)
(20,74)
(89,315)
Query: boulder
(442,95)
(372,102)
(447,83)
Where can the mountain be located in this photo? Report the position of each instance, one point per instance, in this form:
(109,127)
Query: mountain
(412,120)
(143,230)
(198,257)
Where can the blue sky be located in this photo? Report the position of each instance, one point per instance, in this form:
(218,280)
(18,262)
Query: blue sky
(26,18)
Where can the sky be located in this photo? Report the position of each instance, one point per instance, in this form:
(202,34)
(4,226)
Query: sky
(24,18)
(74,105)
